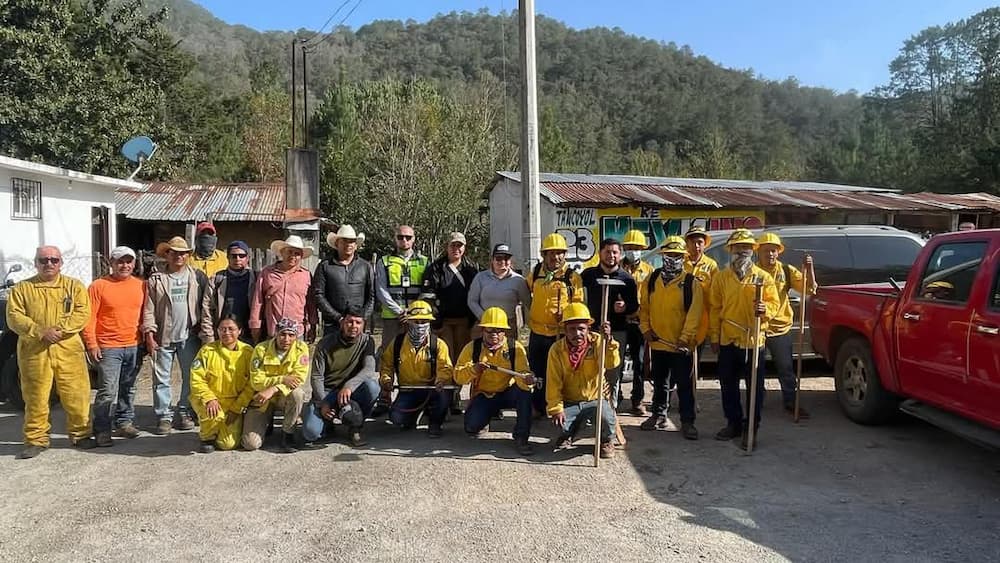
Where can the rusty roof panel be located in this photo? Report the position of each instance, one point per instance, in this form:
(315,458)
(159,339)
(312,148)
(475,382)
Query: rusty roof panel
(169,201)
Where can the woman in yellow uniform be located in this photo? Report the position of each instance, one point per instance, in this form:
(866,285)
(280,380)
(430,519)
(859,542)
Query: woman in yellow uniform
(220,388)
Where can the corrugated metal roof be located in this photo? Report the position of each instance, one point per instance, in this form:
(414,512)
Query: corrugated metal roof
(169,201)
(613,191)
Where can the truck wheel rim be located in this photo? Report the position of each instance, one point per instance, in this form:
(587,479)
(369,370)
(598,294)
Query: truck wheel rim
(855,378)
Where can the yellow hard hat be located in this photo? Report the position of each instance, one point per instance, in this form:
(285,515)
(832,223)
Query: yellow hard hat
(939,285)
(771,238)
(419,310)
(494,317)
(576,312)
(699,232)
(555,241)
(635,237)
(673,245)
(741,236)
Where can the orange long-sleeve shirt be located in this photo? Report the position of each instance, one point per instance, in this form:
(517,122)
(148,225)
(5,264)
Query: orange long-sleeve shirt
(115,312)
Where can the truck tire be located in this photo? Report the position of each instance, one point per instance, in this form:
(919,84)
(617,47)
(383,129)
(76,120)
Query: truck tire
(859,388)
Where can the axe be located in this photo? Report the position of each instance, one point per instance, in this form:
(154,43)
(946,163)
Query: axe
(605,284)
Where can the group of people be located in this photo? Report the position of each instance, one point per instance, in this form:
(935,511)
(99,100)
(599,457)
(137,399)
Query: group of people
(246,340)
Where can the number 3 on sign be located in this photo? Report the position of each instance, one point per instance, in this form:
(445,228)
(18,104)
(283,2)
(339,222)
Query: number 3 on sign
(580,242)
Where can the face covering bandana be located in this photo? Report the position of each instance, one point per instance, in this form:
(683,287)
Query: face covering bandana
(742,262)
(633,256)
(418,332)
(672,267)
(204,245)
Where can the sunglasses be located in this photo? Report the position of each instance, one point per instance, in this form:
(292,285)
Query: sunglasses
(48,260)
(404,237)
(237,255)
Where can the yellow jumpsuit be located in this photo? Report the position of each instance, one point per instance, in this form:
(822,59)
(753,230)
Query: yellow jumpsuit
(219,373)
(34,306)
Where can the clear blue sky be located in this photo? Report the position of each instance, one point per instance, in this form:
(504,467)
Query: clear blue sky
(842,45)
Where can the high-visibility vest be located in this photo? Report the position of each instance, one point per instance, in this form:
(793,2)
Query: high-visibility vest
(400,270)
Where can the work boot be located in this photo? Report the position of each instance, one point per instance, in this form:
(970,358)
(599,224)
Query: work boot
(185,423)
(689,431)
(524,447)
(356,439)
(803,413)
(206,447)
(637,409)
(163,428)
(607,450)
(127,431)
(85,444)
(288,443)
(730,432)
(653,422)
(104,440)
(30,452)
(434,430)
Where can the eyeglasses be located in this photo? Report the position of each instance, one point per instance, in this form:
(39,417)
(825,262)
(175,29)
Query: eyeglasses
(48,260)
(238,255)
(404,237)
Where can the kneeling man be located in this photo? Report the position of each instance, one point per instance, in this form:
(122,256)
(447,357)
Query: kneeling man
(278,373)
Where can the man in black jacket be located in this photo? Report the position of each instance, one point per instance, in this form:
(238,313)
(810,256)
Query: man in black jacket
(446,285)
(344,281)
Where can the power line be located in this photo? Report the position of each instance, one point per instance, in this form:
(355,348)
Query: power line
(326,23)
(313,47)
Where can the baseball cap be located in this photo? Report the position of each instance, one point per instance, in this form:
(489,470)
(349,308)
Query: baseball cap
(121,252)
(456,237)
(502,249)
(205,226)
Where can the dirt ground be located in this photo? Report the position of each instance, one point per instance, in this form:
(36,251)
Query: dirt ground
(823,490)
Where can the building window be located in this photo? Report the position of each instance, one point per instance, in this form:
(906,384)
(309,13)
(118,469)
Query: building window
(25,199)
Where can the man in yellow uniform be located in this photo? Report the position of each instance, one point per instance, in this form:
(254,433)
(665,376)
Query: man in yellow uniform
(673,303)
(206,256)
(491,390)
(732,315)
(220,388)
(279,371)
(48,311)
(698,263)
(779,330)
(554,285)
(632,262)
(420,363)
(575,383)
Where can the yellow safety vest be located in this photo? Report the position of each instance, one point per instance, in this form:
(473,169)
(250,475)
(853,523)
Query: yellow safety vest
(404,279)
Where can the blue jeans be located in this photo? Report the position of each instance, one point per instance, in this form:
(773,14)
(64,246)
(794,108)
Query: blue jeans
(672,368)
(406,408)
(481,409)
(780,348)
(163,362)
(578,413)
(735,364)
(538,361)
(116,391)
(362,401)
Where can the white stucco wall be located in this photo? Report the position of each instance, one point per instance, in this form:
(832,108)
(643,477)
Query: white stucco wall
(68,199)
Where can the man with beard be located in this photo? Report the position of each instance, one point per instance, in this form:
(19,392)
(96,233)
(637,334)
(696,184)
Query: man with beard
(206,256)
(673,302)
(733,310)
(344,380)
(632,262)
(623,301)
(574,371)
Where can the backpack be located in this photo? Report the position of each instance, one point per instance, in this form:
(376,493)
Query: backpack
(687,286)
(788,278)
(565,279)
(477,350)
(397,347)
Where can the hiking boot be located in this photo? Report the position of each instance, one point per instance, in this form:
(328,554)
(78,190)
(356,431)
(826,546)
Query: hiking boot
(206,447)
(127,431)
(730,432)
(104,440)
(30,452)
(434,431)
(524,447)
(185,423)
(85,444)
(653,422)
(637,410)
(356,439)
(689,431)
(288,443)
(607,450)
(803,413)
(163,428)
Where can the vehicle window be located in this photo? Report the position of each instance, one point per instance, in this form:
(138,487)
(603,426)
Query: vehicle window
(831,257)
(951,271)
(995,294)
(877,258)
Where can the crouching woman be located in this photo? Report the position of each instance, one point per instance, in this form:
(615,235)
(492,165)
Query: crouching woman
(220,388)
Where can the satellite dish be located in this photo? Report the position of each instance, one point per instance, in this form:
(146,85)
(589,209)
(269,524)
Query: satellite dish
(138,150)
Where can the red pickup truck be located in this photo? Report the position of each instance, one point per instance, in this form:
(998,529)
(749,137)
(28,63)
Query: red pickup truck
(930,347)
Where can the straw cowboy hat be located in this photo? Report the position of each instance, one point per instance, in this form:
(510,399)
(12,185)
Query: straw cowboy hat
(293,241)
(177,244)
(345,231)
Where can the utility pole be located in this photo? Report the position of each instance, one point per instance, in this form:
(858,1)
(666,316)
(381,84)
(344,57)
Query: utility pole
(305,101)
(530,192)
(294,117)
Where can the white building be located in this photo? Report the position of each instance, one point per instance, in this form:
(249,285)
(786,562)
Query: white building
(46,205)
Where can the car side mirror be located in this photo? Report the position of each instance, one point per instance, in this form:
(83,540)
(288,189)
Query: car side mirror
(13,268)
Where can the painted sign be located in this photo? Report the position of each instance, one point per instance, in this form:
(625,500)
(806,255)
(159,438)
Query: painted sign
(584,228)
